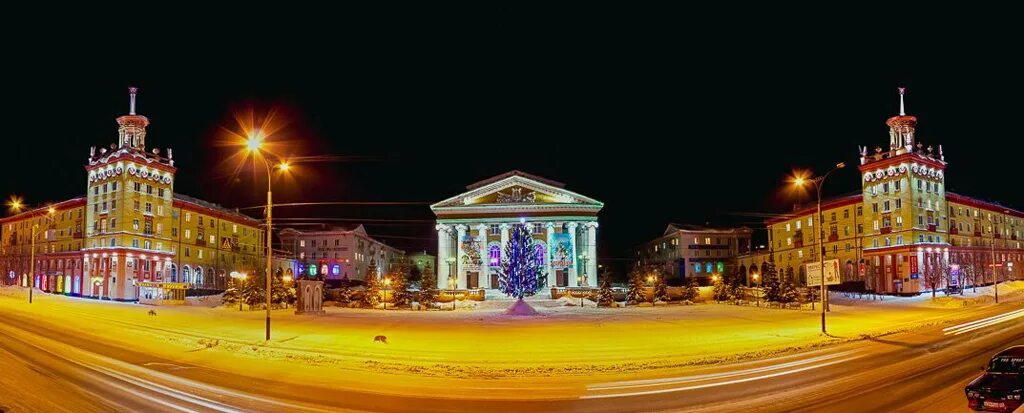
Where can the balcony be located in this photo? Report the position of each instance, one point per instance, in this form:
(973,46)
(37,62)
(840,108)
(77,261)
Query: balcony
(977,233)
(953,231)
(885,230)
(931,227)
(798,243)
(833,237)
(998,235)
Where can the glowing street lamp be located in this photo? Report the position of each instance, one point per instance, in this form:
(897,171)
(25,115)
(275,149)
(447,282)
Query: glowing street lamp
(254,145)
(50,212)
(240,280)
(650,280)
(757,279)
(387,284)
(800,181)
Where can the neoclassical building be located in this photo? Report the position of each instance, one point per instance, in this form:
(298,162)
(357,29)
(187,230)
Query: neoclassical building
(473,228)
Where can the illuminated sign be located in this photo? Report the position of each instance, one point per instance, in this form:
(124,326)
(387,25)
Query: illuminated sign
(561,251)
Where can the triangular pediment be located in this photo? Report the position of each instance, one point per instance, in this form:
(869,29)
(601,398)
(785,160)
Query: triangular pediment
(516,190)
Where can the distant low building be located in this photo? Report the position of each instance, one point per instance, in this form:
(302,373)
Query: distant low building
(691,251)
(339,253)
(422,260)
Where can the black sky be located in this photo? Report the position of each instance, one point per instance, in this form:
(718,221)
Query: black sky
(662,120)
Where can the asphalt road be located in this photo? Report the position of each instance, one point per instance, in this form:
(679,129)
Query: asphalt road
(924,371)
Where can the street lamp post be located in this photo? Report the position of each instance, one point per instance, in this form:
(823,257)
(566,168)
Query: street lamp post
(757,293)
(818,181)
(240,281)
(995,275)
(254,143)
(579,280)
(387,284)
(32,253)
(451,286)
(650,280)
(452,280)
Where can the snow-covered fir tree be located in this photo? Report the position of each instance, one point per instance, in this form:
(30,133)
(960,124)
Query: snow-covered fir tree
(635,291)
(605,297)
(371,293)
(721,290)
(787,292)
(692,291)
(660,289)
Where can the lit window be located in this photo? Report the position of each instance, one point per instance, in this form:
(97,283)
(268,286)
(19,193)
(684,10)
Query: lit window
(302,243)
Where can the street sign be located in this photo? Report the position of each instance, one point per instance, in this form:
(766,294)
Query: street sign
(831,273)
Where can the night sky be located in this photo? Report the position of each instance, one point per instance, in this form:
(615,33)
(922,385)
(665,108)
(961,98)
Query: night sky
(661,121)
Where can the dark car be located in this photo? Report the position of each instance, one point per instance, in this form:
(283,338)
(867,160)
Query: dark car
(1000,388)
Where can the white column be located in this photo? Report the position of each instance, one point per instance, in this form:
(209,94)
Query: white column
(485,262)
(504,236)
(443,246)
(460,271)
(552,280)
(575,254)
(592,254)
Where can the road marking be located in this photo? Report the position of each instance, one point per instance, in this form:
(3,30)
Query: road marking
(982,323)
(736,381)
(170,366)
(705,377)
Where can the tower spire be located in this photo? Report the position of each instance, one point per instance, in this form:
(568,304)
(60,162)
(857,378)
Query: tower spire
(902,111)
(132,90)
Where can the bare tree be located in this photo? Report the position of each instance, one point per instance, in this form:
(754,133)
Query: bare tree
(969,268)
(934,274)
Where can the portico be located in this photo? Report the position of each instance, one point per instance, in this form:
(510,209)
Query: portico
(473,228)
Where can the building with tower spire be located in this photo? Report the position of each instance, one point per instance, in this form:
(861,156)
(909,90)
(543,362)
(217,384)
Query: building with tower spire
(129,228)
(901,227)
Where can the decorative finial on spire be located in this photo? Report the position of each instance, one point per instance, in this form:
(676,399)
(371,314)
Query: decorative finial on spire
(132,90)
(902,112)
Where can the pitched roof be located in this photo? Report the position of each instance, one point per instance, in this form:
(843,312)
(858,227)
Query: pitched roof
(515,172)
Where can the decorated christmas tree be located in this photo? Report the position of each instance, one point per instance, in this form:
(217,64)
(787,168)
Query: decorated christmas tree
(605,298)
(371,293)
(520,273)
(635,292)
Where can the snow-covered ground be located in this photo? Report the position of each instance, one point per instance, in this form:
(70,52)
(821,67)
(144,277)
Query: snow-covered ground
(564,341)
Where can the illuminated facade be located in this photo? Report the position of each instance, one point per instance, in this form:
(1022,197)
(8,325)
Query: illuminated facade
(339,253)
(902,225)
(129,227)
(690,251)
(473,228)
